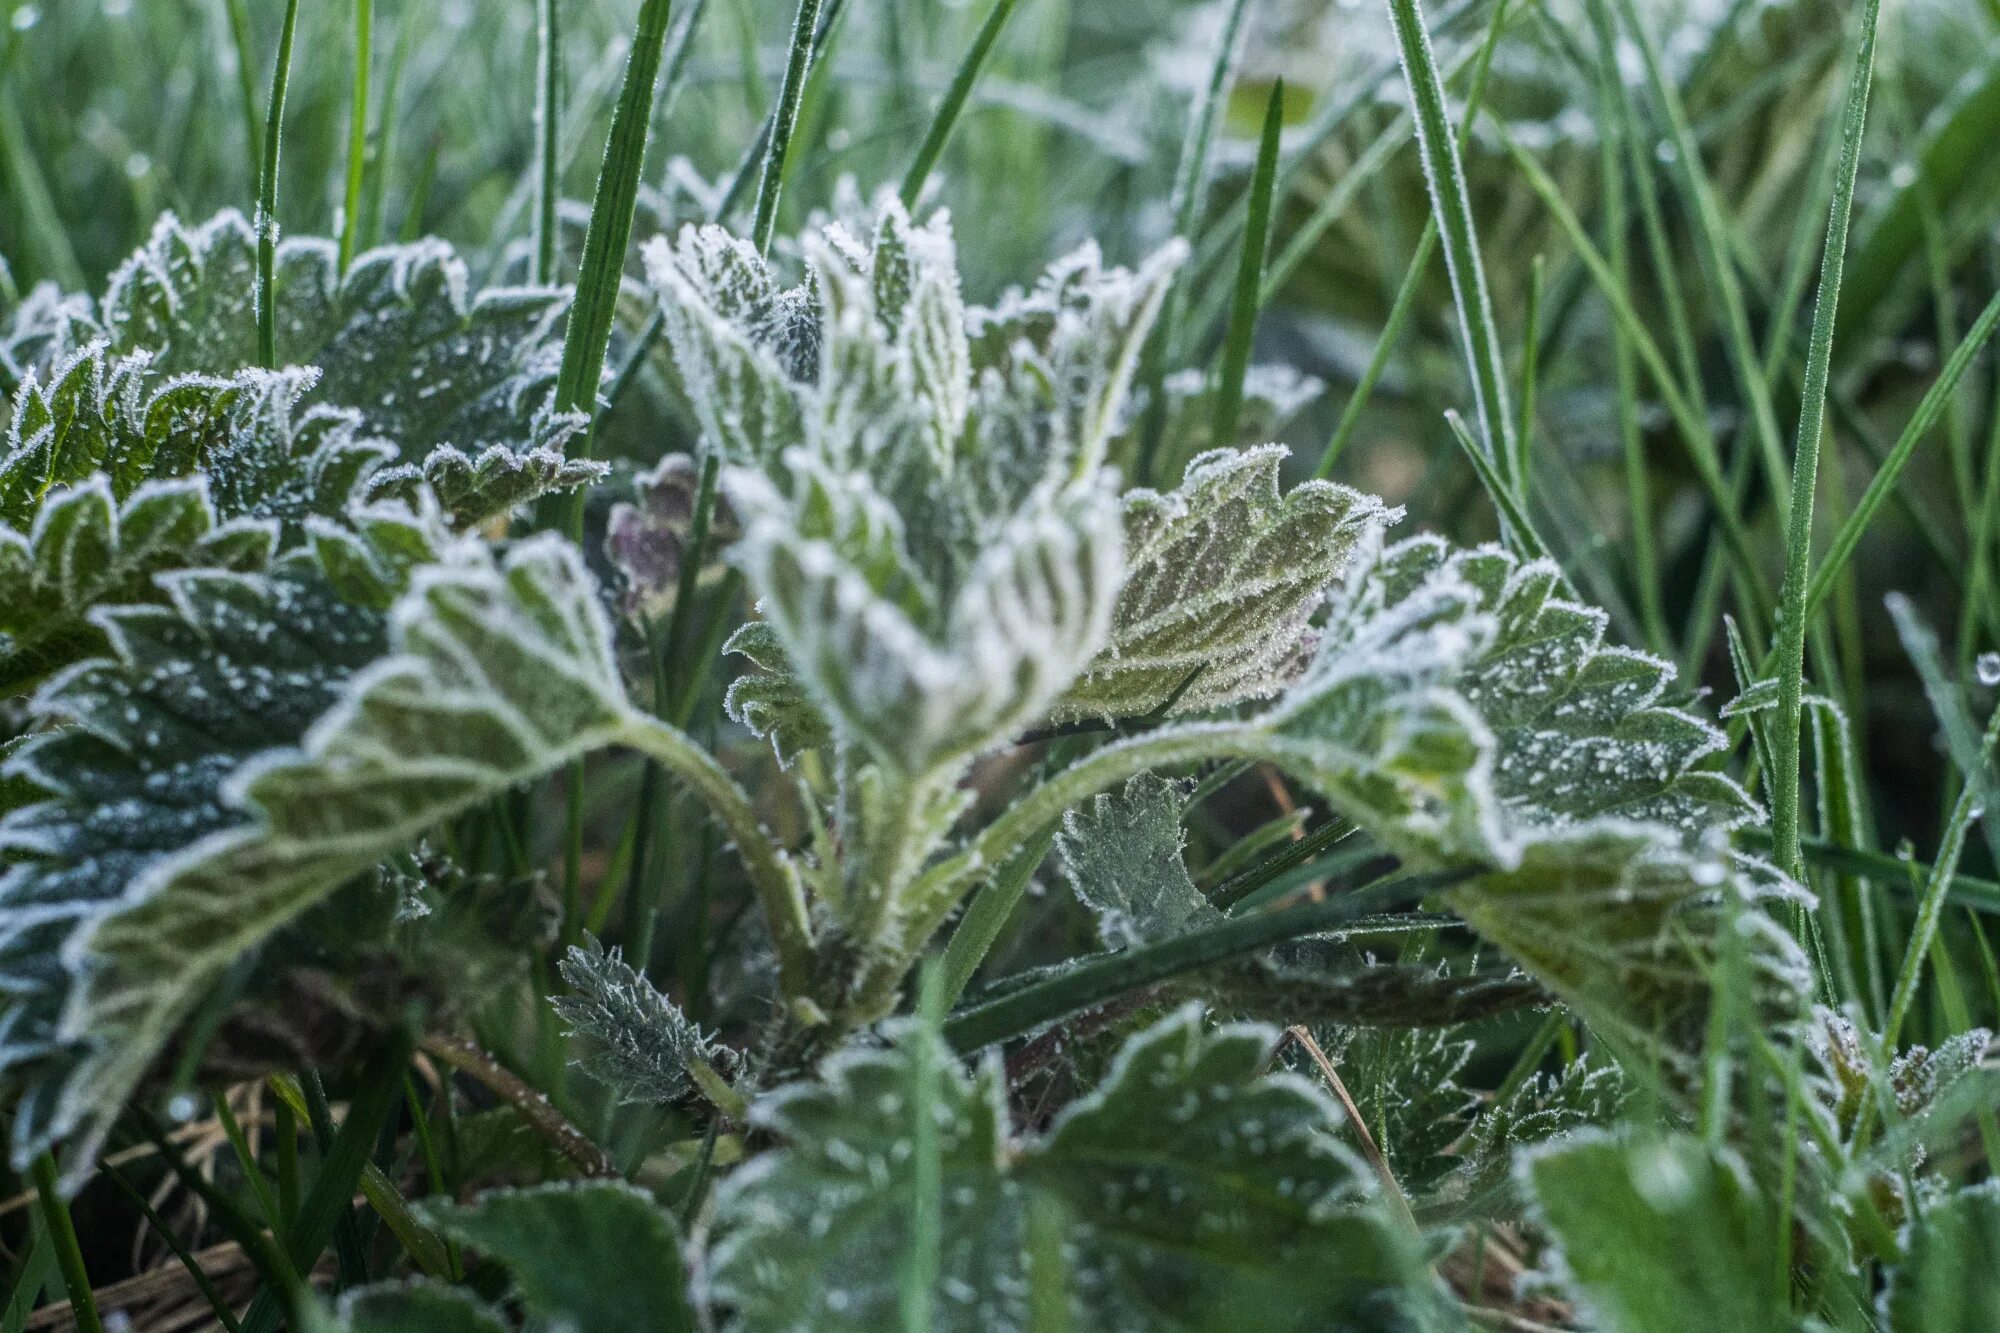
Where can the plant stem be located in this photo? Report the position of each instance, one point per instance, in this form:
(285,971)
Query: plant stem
(267,197)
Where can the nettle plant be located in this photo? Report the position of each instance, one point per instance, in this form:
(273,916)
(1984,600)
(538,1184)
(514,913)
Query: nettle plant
(272,633)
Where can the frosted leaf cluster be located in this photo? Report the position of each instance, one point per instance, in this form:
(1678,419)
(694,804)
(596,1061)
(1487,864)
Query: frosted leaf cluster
(418,673)
(925,520)
(1191,1190)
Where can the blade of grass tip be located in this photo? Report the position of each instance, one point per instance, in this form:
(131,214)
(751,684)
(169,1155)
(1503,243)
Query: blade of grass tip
(548,136)
(246,84)
(1792,594)
(1185,202)
(1249,277)
(953,103)
(923,1258)
(1519,530)
(61,1231)
(771,181)
(1883,483)
(267,196)
(1712,247)
(1450,206)
(357,130)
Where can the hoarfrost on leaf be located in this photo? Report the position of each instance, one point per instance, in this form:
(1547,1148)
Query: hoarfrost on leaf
(642,1045)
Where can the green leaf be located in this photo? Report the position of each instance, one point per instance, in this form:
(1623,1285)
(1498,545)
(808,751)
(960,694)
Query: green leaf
(1947,1282)
(398,336)
(1653,1228)
(419,1306)
(1224,575)
(111,476)
(592,1255)
(772,703)
(1122,855)
(1192,1191)
(642,1045)
(475,490)
(180,832)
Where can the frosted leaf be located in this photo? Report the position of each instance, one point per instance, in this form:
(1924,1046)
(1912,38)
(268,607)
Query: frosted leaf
(771,702)
(399,336)
(641,1044)
(419,1305)
(1122,855)
(1192,1190)
(180,830)
(1917,1078)
(111,475)
(1224,575)
(39,330)
(645,538)
(1477,1179)
(87,549)
(1650,1227)
(921,682)
(581,1255)
(1946,1282)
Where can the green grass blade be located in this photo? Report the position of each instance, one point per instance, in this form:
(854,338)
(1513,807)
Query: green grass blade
(1521,534)
(357,130)
(1792,615)
(1883,484)
(548,136)
(953,104)
(267,195)
(246,84)
(198,1275)
(770,183)
(980,927)
(1524,429)
(1249,277)
(1450,205)
(1099,979)
(61,1231)
(610,231)
(1711,244)
(1184,203)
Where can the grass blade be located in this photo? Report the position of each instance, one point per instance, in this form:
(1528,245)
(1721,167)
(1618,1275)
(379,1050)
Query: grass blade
(548,136)
(267,196)
(1103,978)
(1453,211)
(61,1232)
(1249,277)
(1792,615)
(948,110)
(357,130)
(1514,518)
(246,83)
(771,183)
